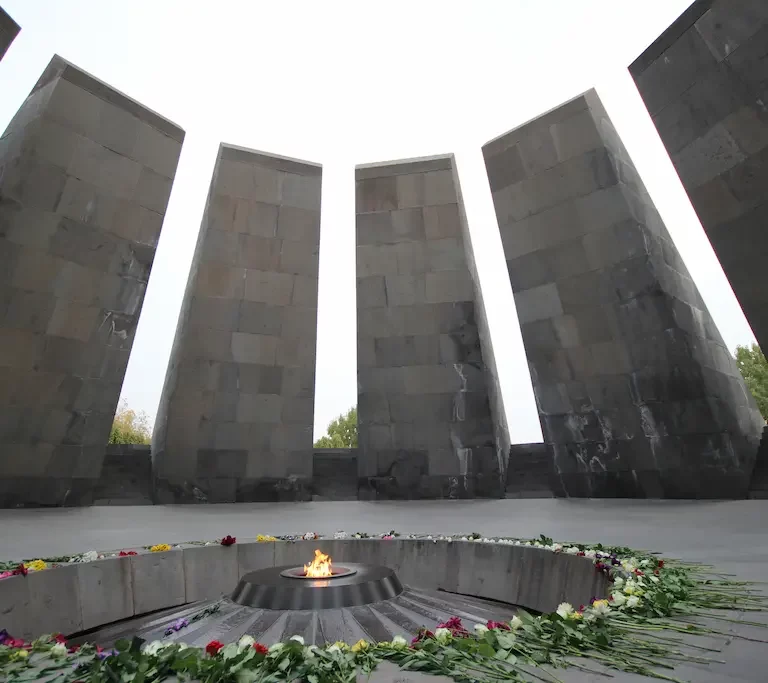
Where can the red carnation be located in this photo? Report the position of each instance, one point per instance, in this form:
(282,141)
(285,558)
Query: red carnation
(213,647)
(59,638)
(497,624)
(128,553)
(661,564)
(228,540)
(15,642)
(261,649)
(21,569)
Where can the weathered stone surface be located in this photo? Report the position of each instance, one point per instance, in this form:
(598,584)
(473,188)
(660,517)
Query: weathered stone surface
(106,591)
(9,29)
(334,474)
(710,116)
(126,476)
(637,394)
(209,571)
(704,82)
(422,379)
(56,594)
(77,240)
(236,414)
(158,580)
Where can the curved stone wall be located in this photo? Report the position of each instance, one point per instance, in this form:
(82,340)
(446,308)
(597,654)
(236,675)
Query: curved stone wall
(80,597)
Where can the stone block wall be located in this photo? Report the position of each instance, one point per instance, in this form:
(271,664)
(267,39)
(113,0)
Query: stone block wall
(636,392)
(705,84)
(424,419)
(9,29)
(334,474)
(126,476)
(237,409)
(85,175)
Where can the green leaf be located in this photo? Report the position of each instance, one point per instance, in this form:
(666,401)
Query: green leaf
(312,678)
(486,650)
(284,664)
(123,645)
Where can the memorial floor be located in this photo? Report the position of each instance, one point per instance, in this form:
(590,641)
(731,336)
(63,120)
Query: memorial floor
(729,535)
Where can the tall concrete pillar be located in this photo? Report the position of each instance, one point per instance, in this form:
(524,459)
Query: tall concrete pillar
(425,426)
(9,29)
(236,414)
(85,175)
(705,84)
(637,394)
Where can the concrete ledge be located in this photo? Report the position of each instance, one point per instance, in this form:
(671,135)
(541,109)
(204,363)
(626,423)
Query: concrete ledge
(78,597)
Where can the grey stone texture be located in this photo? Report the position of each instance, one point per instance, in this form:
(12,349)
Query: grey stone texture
(424,419)
(9,29)
(637,394)
(334,474)
(126,476)
(705,84)
(85,175)
(236,414)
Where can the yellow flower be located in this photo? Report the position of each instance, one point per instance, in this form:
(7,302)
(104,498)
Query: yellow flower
(599,604)
(160,547)
(37,566)
(575,616)
(20,654)
(261,538)
(341,645)
(360,645)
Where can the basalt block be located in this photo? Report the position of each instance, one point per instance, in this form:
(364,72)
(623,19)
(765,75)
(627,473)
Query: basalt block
(637,394)
(236,414)
(9,29)
(427,386)
(85,175)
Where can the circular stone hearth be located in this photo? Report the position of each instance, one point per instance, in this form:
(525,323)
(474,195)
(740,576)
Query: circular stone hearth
(277,588)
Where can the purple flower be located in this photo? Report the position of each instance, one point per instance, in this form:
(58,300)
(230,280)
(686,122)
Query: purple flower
(4,636)
(180,624)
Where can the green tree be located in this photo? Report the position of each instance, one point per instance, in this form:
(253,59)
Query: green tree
(754,369)
(130,426)
(342,432)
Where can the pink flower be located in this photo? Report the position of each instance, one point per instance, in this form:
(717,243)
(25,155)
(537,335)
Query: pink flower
(228,540)
(5,575)
(387,538)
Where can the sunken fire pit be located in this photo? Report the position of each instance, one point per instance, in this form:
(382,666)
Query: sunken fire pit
(318,585)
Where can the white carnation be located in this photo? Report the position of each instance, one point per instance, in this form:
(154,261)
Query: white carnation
(565,609)
(481,629)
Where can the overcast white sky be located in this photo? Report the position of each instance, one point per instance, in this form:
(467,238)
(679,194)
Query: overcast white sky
(347,82)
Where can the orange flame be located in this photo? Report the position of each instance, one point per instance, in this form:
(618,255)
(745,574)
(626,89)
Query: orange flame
(320,566)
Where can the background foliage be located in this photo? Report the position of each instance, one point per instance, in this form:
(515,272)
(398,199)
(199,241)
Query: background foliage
(754,369)
(342,432)
(130,426)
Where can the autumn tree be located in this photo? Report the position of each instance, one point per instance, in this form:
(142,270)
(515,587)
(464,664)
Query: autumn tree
(342,432)
(130,426)
(754,369)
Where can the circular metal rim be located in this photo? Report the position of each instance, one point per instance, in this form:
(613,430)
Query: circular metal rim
(268,589)
(338,572)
